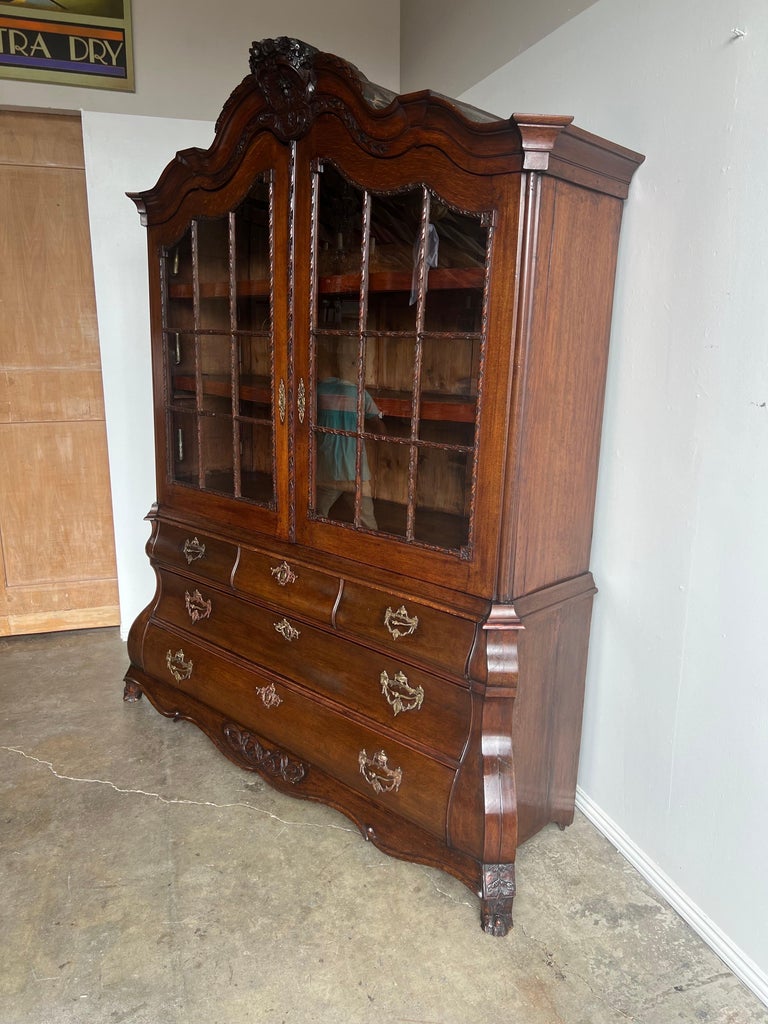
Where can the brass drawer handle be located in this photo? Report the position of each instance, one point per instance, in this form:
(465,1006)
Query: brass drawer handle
(378,774)
(269,696)
(197,606)
(400,623)
(399,694)
(284,574)
(179,669)
(193,549)
(285,629)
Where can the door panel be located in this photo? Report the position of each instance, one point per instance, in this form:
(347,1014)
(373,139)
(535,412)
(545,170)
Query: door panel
(58,559)
(221,397)
(395,337)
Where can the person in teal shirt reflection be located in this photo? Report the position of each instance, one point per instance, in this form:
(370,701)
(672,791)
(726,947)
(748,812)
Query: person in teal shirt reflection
(336,453)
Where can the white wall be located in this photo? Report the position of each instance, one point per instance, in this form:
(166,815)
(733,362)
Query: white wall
(675,751)
(449,45)
(126,153)
(190,54)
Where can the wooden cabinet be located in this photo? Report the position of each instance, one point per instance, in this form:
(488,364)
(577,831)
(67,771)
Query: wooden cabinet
(380,333)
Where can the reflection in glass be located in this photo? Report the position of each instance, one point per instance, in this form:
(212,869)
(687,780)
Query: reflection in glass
(341,453)
(398,332)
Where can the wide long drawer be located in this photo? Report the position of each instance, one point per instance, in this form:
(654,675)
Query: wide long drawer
(407,781)
(386,689)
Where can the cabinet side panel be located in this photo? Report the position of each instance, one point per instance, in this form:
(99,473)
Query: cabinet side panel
(548,712)
(566,357)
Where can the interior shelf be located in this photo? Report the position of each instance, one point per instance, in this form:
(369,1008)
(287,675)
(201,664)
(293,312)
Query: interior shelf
(440,278)
(434,405)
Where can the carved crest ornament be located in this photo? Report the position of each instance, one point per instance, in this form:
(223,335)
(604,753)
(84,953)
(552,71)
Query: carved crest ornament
(284,71)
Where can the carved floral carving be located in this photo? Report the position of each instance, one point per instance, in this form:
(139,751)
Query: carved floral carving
(273,762)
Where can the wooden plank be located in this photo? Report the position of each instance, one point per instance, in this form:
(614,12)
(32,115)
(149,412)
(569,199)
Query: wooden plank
(48,395)
(41,140)
(46,288)
(56,506)
(58,569)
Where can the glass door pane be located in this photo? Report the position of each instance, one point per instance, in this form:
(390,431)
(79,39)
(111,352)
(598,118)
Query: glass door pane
(219,351)
(396,361)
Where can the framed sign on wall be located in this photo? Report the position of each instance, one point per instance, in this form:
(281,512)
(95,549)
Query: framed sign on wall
(68,42)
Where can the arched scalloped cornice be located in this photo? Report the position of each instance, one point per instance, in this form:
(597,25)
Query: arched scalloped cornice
(292,85)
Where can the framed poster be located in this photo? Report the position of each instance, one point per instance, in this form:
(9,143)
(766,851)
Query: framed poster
(69,42)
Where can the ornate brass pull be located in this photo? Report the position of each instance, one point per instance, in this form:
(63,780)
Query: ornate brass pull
(269,696)
(400,695)
(284,628)
(197,606)
(400,623)
(378,774)
(281,400)
(178,668)
(193,549)
(284,574)
(301,400)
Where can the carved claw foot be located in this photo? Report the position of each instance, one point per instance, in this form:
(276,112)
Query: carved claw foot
(496,917)
(132,691)
(496,899)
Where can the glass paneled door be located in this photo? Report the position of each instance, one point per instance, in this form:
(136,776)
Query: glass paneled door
(397,339)
(224,348)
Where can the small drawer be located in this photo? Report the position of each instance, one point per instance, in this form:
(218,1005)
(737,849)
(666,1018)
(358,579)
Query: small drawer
(287,584)
(399,623)
(194,552)
(380,687)
(407,781)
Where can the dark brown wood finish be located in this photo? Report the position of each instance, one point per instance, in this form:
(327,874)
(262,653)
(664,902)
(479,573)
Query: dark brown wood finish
(413,655)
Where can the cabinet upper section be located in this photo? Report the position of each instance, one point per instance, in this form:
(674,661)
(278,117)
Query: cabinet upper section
(380,325)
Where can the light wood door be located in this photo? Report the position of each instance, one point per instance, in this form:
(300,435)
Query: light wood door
(57,554)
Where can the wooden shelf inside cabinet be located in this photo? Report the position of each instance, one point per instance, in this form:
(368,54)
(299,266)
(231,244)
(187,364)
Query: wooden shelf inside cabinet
(433,405)
(252,389)
(220,289)
(441,278)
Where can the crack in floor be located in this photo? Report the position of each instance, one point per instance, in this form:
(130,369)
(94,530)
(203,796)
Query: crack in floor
(173,800)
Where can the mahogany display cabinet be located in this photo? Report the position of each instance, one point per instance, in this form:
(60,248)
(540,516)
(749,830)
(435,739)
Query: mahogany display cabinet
(380,331)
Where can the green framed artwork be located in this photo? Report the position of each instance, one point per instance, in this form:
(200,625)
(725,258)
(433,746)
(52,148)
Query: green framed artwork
(68,42)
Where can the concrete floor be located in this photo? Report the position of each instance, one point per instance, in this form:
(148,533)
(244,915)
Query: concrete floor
(146,880)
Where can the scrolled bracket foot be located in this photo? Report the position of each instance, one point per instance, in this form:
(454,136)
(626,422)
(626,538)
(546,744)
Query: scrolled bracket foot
(496,898)
(132,692)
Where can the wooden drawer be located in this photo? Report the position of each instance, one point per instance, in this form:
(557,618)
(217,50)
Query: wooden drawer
(392,693)
(410,629)
(195,552)
(408,782)
(287,584)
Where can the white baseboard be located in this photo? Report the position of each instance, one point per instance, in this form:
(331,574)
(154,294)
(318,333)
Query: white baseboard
(741,965)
